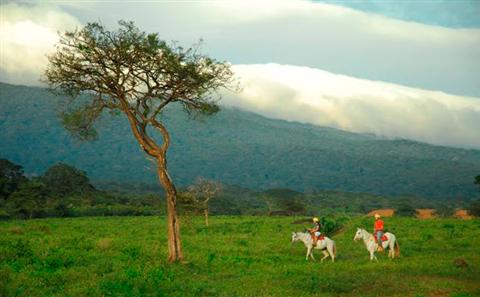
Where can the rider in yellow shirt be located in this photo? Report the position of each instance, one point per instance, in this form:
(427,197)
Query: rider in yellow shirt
(315,230)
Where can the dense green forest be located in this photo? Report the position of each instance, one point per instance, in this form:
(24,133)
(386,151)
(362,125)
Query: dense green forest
(65,191)
(235,148)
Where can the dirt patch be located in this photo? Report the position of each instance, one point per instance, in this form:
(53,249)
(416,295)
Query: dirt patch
(425,213)
(440,293)
(16,230)
(104,243)
(462,214)
(459,262)
(386,212)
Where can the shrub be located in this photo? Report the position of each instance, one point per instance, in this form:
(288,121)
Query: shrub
(474,208)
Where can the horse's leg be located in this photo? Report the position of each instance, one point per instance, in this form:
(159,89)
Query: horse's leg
(392,248)
(330,252)
(309,250)
(311,255)
(325,255)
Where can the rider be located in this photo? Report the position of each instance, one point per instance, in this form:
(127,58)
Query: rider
(315,230)
(378,231)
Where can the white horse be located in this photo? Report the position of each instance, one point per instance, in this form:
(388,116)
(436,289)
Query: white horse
(326,245)
(391,243)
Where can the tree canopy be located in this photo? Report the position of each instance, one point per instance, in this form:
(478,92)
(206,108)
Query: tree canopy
(134,72)
(62,180)
(11,176)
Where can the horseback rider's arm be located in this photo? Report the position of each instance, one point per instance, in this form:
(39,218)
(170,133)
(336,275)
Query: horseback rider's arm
(316,227)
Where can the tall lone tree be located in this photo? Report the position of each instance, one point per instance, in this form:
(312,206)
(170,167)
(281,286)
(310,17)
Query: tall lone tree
(136,74)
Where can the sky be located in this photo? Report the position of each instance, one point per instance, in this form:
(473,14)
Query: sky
(400,69)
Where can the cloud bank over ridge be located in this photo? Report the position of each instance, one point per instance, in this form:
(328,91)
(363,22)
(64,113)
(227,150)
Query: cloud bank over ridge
(291,32)
(319,97)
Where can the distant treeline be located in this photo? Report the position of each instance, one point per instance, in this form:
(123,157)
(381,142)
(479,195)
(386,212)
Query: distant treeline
(65,191)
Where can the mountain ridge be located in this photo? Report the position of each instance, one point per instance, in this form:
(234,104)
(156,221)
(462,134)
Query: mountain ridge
(237,147)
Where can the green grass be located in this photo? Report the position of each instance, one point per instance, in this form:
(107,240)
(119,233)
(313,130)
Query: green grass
(235,256)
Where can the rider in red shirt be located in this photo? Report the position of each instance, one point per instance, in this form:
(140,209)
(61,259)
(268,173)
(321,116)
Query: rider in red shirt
(378,231)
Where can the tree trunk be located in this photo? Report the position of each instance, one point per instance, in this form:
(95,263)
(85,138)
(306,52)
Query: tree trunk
(205,211)
(173,224)
(152,149)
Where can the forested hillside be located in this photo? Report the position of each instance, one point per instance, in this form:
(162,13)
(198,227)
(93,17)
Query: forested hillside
(236,148)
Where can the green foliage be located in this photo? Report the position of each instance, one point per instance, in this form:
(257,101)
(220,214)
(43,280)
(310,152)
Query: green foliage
(64,180)
(284,201)
(11,176)
(474,208)
(445,211)
(405,208)
(133,72)
(64,191)
(125,256)
(477,181)
(236,148)
(28,201)
(79,122)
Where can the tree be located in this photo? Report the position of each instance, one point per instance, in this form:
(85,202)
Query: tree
(29,200)
(286,201)
(445,210)
(405,208)
(11,176)
(136,74)
(202,191)
(63,180)
(474,208)
(477,181)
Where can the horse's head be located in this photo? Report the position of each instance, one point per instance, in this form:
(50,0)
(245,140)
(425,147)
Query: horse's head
(358,234)
(294,237)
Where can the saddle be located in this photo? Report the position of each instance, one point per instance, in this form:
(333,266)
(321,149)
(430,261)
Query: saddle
(384,238)
(321,237)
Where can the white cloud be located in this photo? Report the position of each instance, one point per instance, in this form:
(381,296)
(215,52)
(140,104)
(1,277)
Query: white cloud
(27,34)
(319,35)
(319,97)
(300,32)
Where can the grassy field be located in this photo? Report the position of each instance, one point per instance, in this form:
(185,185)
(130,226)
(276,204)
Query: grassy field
(235,256)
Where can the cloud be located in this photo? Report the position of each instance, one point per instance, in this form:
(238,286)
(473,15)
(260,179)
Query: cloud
(319,97)
(319,35)
(300,32)
(292,32)
(27,34)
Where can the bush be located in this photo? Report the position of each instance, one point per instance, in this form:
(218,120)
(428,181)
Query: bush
(445,211)
(405,209)
(474,208)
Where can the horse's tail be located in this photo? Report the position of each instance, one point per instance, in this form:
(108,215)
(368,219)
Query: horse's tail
(397,249)
(334,250)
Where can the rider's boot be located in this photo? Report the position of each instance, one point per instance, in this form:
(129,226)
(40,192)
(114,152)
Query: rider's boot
(380,248)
